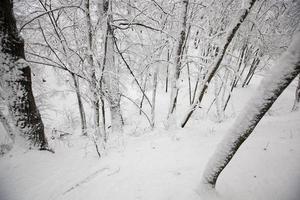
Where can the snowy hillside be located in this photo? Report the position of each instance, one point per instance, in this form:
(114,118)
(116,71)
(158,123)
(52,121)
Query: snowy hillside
(149,100)
(164,164)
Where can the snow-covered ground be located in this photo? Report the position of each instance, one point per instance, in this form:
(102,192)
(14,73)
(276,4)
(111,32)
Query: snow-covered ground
(162,165)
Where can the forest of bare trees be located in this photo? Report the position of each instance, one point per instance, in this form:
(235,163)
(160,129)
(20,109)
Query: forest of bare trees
(103,58)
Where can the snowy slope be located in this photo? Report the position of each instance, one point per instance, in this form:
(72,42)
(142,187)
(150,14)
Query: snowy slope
(163,165)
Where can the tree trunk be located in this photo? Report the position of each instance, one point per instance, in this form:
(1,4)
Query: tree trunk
(80,105)
(189,82)
(252,69)
(286,69)
(20,100)
(230,34)
(196,85)
(6,139)
(92,70)
(297,97)
(236,77)
(167,73)
(103,119)
(178,60)
(155,74)
(111,72)
(143,97)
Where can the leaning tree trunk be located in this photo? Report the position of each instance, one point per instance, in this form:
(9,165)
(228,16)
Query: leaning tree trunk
(230,35)
(286,69)
(236,77)
(178,63)
(143,97)
(17,76)
(297,97)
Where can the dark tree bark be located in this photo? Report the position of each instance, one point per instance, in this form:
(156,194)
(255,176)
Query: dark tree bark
(167,73)
(284,72)
(20,98)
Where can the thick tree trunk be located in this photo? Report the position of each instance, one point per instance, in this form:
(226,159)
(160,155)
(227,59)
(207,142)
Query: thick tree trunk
(286,69)
(230,35)
(20,100)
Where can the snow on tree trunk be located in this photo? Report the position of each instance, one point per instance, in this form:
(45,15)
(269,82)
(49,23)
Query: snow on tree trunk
(229,36)
(297,97)
(92,70)
(111,72)
(80,105)
(6,138)
(155,75)
(282,74)
(16,74)
(178,60)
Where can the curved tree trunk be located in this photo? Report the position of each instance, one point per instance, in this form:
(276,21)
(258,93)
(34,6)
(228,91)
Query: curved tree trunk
(17,76)
(286,69)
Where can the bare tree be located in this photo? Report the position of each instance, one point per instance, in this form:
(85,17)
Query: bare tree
(282,74)
(229,36)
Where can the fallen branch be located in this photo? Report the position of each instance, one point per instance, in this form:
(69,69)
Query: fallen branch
(85,180)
